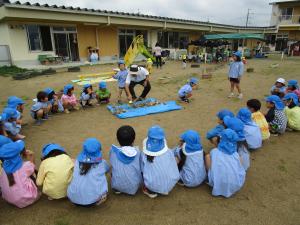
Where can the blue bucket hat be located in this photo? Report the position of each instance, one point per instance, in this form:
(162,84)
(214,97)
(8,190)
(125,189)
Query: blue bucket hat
(228,142)
(293,83)
(238,53)
(223,113)
(102,84)
(121,61)
(194,80)
(9,113)
(155,144)
(50,147)
(86,86)
(236,125)
(67,88)
(244,115)
(4,140)
(14,101)
(48,91)
(10,154)
(91,152)
(292,96)
(192,142)
(276,101)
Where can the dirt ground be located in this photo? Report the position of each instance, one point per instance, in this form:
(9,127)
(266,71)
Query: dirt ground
(270,196)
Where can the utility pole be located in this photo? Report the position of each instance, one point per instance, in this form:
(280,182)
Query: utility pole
(247,20)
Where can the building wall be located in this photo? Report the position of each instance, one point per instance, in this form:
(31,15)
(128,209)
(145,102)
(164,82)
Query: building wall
(86,38)
(108,41)
(275,15)
(294,35)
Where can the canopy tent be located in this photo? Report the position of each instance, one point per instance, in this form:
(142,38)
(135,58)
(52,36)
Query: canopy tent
(235,36)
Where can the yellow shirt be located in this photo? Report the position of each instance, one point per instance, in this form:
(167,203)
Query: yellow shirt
(293,116)
(55,174)
(261,121)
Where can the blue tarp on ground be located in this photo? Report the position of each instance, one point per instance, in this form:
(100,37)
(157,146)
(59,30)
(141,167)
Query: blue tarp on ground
(130,111)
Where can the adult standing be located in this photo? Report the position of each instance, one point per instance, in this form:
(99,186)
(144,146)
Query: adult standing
(235,73)
(137,75)
(157,53)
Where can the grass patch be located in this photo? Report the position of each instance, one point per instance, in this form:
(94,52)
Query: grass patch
(11,70)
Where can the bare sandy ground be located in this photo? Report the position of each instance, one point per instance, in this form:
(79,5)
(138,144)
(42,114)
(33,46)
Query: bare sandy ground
(270,196)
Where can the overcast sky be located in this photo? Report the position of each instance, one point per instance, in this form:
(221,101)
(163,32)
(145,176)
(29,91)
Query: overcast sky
(218,11)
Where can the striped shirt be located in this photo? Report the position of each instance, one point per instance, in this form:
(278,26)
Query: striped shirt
(162,174)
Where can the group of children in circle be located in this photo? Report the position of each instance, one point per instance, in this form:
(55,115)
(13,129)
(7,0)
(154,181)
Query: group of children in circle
(156,169)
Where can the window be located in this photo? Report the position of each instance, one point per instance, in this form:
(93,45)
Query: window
(34,41)
(46,38)
(172,40)
(286,13)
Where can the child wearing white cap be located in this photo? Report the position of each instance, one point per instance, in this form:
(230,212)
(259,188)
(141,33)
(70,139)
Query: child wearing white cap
(189,155)
(279,88)
(89,185)
(159,167)
(126,176)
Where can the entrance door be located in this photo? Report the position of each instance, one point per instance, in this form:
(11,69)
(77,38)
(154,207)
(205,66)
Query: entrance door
(74,54)
(61,45)
(125,40)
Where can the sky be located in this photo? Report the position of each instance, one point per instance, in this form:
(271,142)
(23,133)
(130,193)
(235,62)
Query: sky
(232,12)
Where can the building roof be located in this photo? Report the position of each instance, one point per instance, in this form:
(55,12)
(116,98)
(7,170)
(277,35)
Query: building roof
(280,2)
(70,9)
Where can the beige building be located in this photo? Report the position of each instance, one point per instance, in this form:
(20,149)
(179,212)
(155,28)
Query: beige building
(30,30)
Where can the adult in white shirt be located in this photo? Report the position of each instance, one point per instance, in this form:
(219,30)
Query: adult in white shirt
(137,75)
(157,54)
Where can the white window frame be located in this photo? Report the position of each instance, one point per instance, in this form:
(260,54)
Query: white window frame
(28,39)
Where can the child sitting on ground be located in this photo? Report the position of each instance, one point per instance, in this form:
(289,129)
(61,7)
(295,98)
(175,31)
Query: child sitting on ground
(279,88)
(11,124)
(18,104)
(293,87)
(39,111)
(69,99)
(121,77)
(54,102)
(254,106)
(292,111)
(251,130)
(87,95)
(89,185)
(103,94)
(237,126)
(214,134)
(55,172)
(189,156)
(185,92)
(226,174)
(17,180)
(159,167)
(275,116)
(126,176)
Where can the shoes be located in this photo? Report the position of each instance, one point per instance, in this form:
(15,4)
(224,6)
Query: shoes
(38,122)
(240,96)
(76,107)
(67,111)
(231,95)
(149,193)
(116,192)
(180,183)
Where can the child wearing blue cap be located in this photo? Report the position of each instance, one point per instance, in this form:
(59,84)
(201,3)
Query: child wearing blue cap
(275,116)
(226,174)
(236,70)
(11,124)
(121,77)
(237,126)
(103,94)
(54,102)
(126,176)
(89,185)
(69,99)
(17,181)
(292,111)
(293,87)
(16,103)
(185,92)
(55,172)
(251,129)
(213,134)
(159,167)
(87,96)
(39,111)
(189,155)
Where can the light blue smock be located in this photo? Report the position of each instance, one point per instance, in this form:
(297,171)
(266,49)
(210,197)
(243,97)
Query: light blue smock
(126,175)
(244,155)
(253,135)
(226,175)
(12,127)
(236,69)
(121,77)
(162,174)
(184,90)
(193,172)
(88,189)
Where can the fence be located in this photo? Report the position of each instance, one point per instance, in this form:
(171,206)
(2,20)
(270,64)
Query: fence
(5,57)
